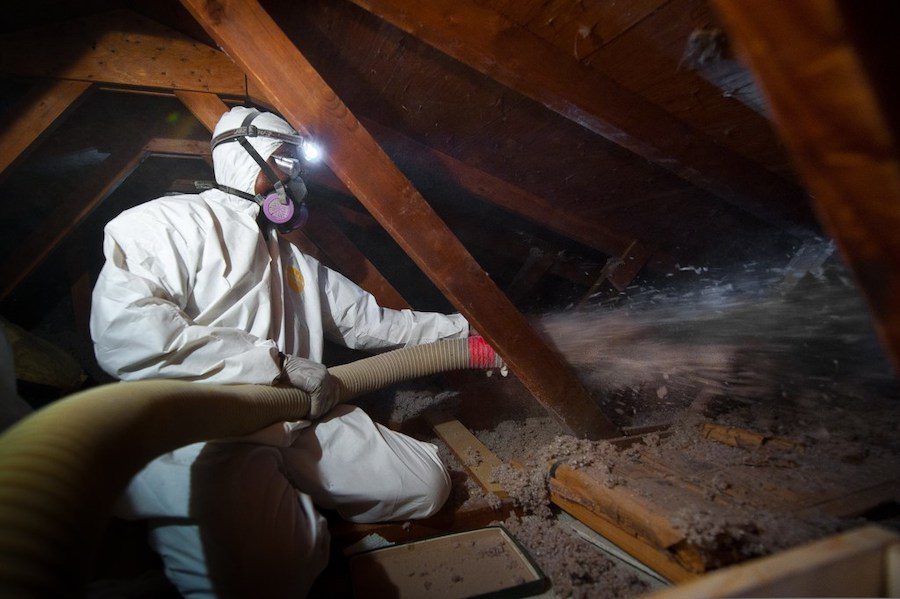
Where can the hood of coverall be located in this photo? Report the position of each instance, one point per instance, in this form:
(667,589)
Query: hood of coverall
(232,164)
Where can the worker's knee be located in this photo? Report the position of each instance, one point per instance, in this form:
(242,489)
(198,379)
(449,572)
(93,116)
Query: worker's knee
(434,490)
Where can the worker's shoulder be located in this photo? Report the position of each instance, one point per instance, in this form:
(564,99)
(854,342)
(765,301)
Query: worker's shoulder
(160,222)
(169,211)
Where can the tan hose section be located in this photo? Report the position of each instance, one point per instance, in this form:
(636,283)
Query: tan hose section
(62,468)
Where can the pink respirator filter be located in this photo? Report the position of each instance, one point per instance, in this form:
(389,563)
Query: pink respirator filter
(277,212)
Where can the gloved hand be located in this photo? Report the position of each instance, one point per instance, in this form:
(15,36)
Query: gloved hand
(313,378)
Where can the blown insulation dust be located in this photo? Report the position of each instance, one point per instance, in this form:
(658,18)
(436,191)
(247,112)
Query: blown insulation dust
(739,336)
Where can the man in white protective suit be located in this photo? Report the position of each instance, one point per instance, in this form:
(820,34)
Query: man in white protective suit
(195,288)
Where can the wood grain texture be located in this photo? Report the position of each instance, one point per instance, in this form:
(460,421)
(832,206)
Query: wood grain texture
(828,112)
(497,47)
(659,560)
(475,457)
(718,97)
(38,111)
(120,47)
(207,107)
(503,194)
(247,33)
(850,564)
(624,508)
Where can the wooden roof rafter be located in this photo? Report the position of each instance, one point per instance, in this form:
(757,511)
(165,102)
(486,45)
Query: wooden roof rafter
(526,63)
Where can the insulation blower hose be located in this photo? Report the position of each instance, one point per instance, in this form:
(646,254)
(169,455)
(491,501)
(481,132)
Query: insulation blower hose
(62,468)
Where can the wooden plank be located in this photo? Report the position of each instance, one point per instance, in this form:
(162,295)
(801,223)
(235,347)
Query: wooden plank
(850,564)
(497,47)
(476,458)
(36,114)
(747,439)
(209,108)
(659,560)
(167,146)
(577,28)
(36,248)
(630,264)
(123,48)
(624,508)
(451,518)
(828,113)
(247,33)
(507,244)
(892,559)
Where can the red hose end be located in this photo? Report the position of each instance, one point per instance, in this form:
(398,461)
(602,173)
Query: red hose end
(481,354)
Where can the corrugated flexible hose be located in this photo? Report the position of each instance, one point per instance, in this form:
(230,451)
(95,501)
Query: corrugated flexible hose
(62,468)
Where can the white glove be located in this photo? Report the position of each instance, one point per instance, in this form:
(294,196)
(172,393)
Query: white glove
(313,378)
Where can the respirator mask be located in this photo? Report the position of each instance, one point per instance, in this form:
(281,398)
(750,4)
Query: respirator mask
(285,207)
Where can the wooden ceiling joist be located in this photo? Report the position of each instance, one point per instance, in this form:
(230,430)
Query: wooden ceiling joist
(499,48)
(120,48)
(826,105)
(249,35)
(40,109)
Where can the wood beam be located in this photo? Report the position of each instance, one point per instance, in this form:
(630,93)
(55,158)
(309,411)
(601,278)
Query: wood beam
(827,109)
(478,460)
(322,232)
(167,146)
(249,35)
(851,564)
(499,48)
(123,48)
(37,112)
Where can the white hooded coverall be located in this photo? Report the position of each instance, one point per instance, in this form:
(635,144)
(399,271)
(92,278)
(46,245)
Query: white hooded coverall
(193,289)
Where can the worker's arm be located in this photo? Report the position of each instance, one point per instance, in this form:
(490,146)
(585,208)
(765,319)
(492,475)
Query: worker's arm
(352,317)
(141,331)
